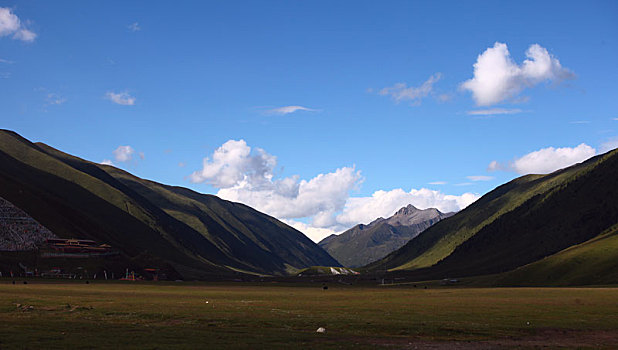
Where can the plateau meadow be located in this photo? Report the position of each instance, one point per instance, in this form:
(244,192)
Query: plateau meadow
(177,315)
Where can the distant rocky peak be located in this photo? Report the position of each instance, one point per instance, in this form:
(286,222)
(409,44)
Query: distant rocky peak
(410,215)
(407,210)
(373,223)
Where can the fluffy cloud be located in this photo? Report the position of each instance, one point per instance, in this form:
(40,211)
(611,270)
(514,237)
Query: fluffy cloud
(316,234)
(319,198)
(497,77)
(401,92)
(247,175)
(107,162)
(121,98)
(386,203)
(494,111)
(290,109)
(234,164)
(546,160)
(124,153)
(11,25)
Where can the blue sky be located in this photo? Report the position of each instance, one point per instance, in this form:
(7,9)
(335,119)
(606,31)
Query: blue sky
(386,120)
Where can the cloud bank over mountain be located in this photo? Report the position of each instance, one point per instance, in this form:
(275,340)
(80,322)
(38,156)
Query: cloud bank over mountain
(247,175)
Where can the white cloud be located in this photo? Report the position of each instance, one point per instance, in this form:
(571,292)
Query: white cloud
(546,160)
(6,61)
(386,203)
(497,77)
(107,162)
(319,198)
(134,27)
(25,35)
(494,111)
(580,122)
(10,24)
(401,92)
(290,109)
(122,98)
(247,175)
(615,118)
(438,183)
(480,178)
(234,163)
(316,234)
(124,153)
(609,145)
(495,166)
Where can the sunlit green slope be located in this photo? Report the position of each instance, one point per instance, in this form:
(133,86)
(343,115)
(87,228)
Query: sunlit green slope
(592,262)
(518,223)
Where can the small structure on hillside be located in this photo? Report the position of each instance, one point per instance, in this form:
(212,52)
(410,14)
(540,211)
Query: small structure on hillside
(74,247)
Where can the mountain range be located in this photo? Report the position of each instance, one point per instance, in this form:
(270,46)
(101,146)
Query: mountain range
(192,235)
(363,244)
(554,229)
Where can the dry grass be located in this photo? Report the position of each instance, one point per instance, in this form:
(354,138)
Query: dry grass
(200,315)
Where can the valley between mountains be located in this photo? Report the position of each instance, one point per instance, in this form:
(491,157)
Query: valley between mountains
(554,229)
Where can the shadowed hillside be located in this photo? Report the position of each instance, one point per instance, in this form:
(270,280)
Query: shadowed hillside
(592,262)
(195,235)
(516,224)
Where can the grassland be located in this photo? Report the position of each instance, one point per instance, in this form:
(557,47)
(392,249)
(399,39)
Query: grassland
(286,315)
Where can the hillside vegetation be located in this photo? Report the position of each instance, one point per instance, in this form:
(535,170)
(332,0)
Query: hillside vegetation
(518,223)
(193,235)
(592,262)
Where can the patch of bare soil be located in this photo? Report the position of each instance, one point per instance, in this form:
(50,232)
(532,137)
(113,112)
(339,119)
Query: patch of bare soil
(543,338)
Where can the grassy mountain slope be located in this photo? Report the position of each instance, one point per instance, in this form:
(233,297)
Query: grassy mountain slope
(592,262)
(243,234)
(518,223)
(77,198)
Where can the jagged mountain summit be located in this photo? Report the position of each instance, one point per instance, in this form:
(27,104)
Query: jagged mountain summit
(191,235)
(363,244)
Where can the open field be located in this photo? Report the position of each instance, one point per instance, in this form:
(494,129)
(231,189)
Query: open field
(286,315)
